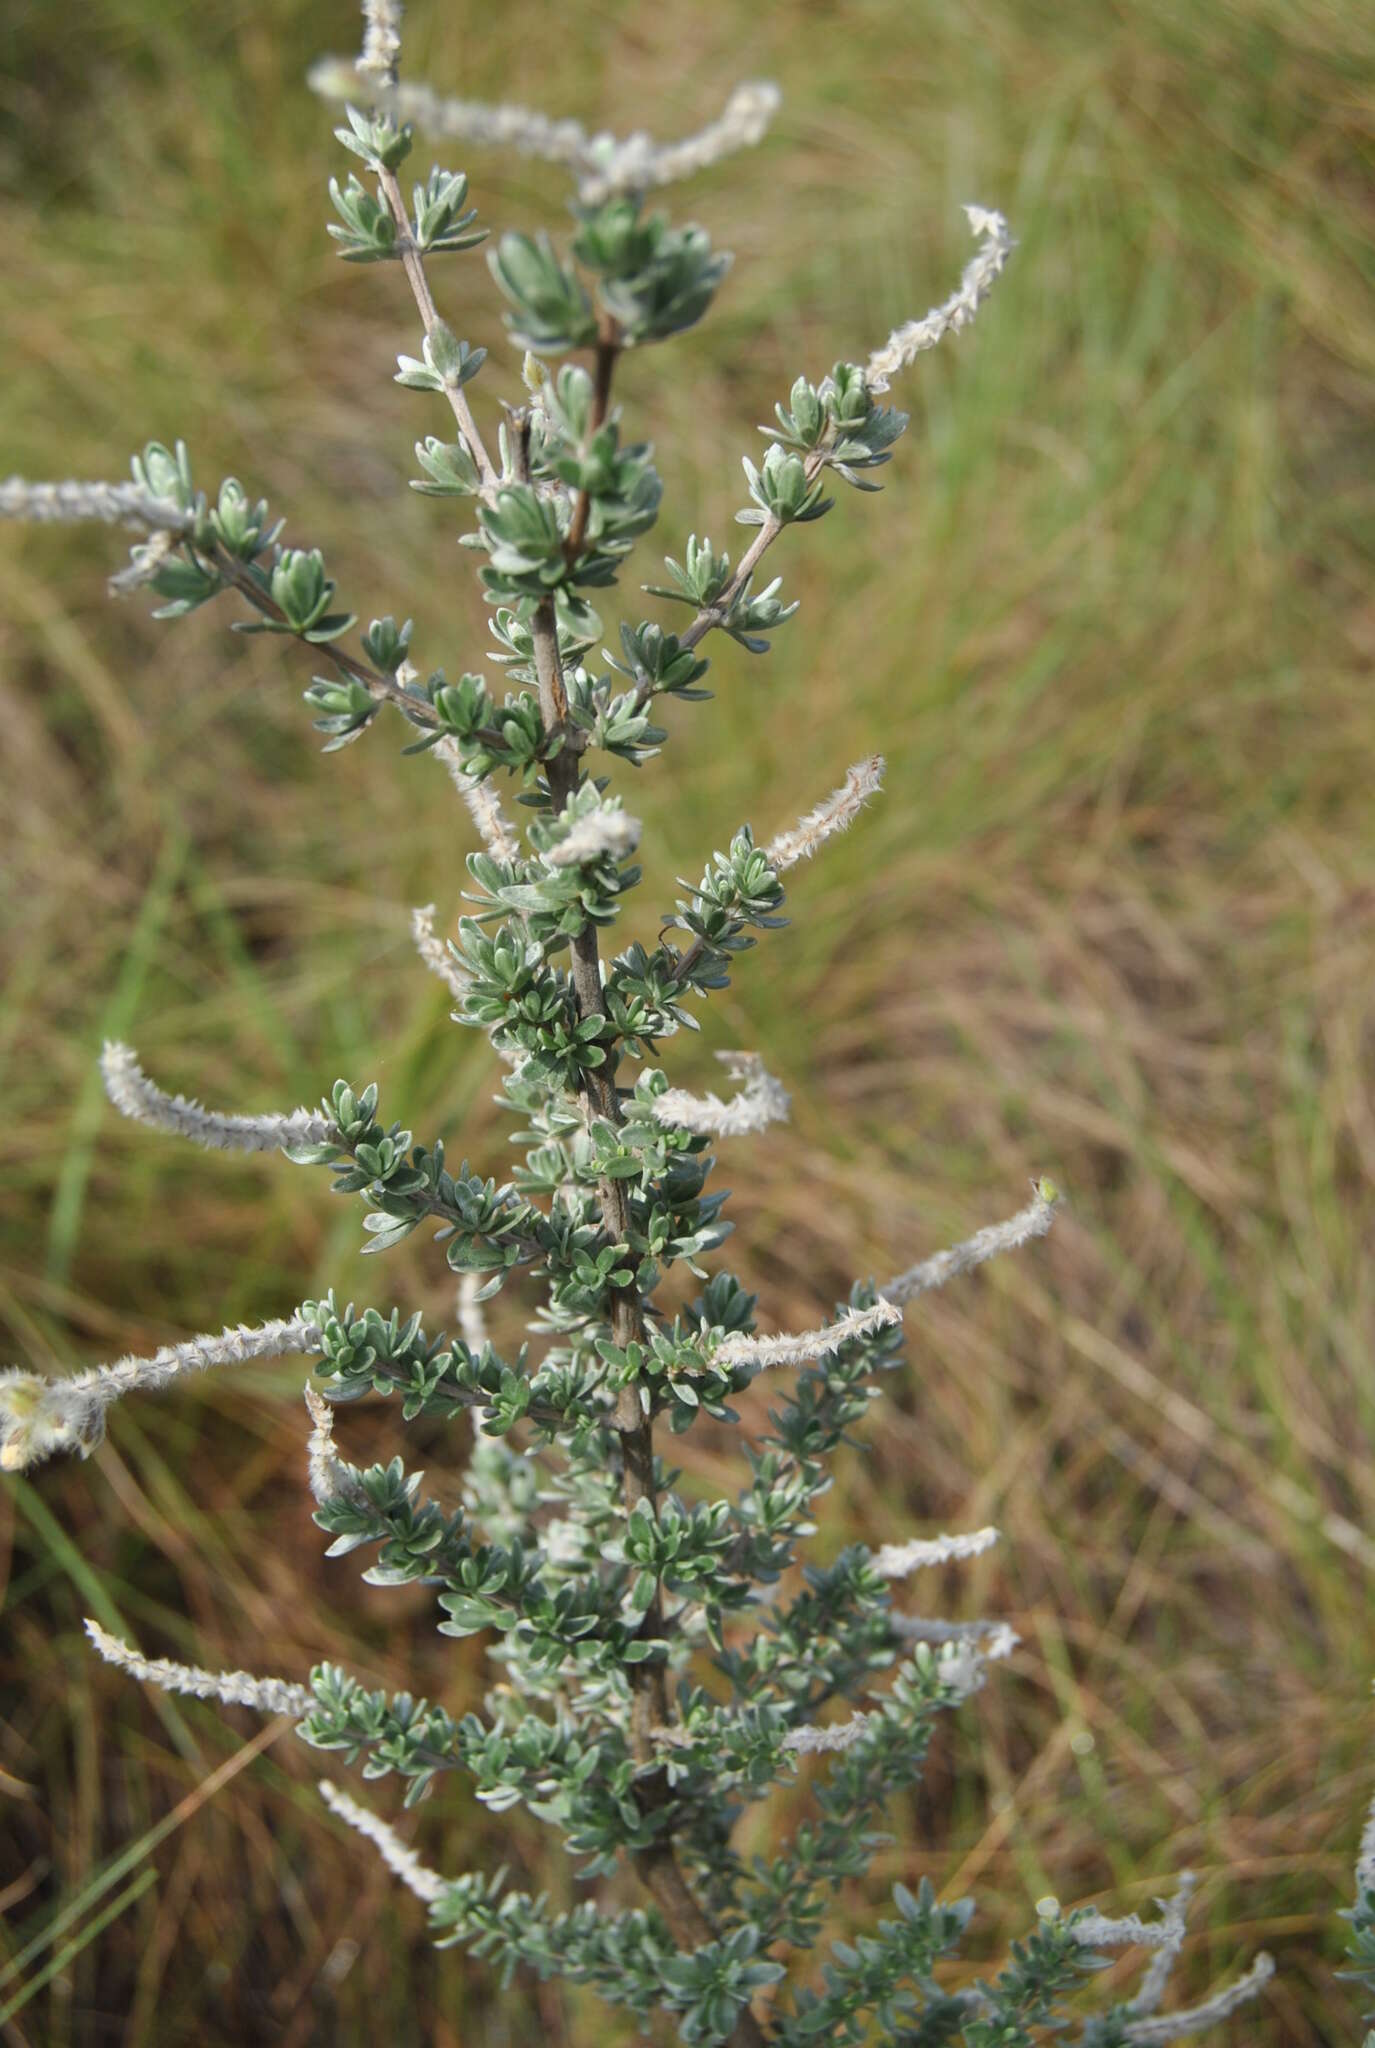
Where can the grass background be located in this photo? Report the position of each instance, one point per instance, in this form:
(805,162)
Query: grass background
(1113,919)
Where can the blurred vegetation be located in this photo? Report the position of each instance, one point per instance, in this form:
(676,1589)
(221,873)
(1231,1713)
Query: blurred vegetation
(1124,934)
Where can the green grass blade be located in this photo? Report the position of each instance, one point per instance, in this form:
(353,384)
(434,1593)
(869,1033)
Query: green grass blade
(83,1940)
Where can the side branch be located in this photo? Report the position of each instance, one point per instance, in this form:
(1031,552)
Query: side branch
(413,264)
(167,522)
(902,348)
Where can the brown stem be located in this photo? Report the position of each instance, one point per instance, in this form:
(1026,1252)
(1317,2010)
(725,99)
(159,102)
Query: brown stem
(413,265)
(659,1873)
(608,349)
(372,679)
(657,1866)
(688,960)
(712,614)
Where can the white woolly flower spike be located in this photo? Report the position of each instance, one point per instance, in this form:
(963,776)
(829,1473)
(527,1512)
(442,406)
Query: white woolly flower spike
(115,504)
(840,809)
(330,1477)
(1033,1221)
(996,1639)
(602,165)
(145,560)
(436,955)
(639,163)
(234,1688)
(896,1560)
(761,1102)
(603,834)
(811,1740)
(381,40)
(905,344)
(402,1861)
(134,1095)
(1157,1976)
(1365,1854)
(483,804)
(964,1661)
(472,1321)
(1197,2019)
(961,1661)
(789,1350)
(39,1416)
(963,1666)
(1094,1930)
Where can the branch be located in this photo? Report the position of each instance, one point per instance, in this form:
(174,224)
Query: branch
(373,82)
(961,1662)
(413,264)
(713,614)
(787,848)
(129,504)
(386,689)
(903,346)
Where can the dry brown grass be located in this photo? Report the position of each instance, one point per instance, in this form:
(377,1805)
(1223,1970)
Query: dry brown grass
(1114,920)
